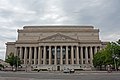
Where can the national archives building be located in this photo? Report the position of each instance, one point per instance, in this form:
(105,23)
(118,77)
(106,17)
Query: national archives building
(56,47)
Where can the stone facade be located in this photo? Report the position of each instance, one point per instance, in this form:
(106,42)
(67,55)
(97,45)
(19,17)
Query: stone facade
(56,47)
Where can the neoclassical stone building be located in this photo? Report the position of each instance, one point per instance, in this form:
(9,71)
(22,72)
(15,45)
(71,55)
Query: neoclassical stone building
(56,47)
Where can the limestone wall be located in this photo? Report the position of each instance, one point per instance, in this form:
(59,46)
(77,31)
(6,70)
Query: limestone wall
(10,48)
(81,33)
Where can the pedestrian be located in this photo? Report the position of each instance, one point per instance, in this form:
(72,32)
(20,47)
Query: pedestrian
(109,68)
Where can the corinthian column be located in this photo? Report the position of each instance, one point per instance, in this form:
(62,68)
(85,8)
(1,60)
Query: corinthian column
(100,47)
(61,55)
(16,52)
(67,55)
(91,55)
(35,52)
(44,56)
(77,56)
(81,55)
(55,56)
(21,53)
(30,55)
(95,49)
(50,55)
(39,56)
(25,55)
(86,55)
(72,55)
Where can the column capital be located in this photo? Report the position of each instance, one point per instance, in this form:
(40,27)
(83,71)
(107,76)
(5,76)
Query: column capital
(77,45)
(81,46)
(50,45)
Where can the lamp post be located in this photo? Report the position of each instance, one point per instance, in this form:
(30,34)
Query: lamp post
(115,57)
(17,63)
(114,61)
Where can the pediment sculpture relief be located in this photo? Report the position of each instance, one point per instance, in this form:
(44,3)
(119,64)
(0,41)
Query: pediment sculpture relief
(58,37)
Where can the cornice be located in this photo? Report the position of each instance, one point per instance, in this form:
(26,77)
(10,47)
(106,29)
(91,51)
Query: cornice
(26,42)
(58,26)
(58,30)
(10,43)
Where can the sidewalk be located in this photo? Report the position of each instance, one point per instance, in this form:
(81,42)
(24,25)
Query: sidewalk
(14,78)
(59,72)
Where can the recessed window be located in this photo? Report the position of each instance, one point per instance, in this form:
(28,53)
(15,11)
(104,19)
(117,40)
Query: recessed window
(83,62)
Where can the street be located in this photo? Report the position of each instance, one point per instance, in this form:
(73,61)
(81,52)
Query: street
(59,76)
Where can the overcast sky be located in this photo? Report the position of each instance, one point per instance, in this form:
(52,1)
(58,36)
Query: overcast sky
(14,14)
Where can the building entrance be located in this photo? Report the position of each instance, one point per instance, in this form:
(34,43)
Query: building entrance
(58,68)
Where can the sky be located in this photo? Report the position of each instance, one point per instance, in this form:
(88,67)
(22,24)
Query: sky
(102,14)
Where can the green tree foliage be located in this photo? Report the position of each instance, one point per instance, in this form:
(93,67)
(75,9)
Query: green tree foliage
(1,66)
(13,60)
(106,55)
(99,59)
(118,41)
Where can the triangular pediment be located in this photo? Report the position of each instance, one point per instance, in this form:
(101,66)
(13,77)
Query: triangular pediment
(58,38)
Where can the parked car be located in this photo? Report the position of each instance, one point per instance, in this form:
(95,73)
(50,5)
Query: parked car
(66,71)
(14,69)
(72,71)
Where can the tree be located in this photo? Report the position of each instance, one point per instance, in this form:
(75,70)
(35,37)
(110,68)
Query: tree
(118,41)
(14,61)
(105,56)
(98,60)
(1,66)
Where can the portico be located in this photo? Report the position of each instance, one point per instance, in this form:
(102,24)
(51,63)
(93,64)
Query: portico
(57,54)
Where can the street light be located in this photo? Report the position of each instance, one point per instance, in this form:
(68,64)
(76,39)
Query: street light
(115,57)
(17,63)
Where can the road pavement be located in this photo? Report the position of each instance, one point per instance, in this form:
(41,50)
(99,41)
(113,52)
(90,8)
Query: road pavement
(82,75)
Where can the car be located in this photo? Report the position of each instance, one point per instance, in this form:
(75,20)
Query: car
(14,69)
(66,71)
(72,71)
